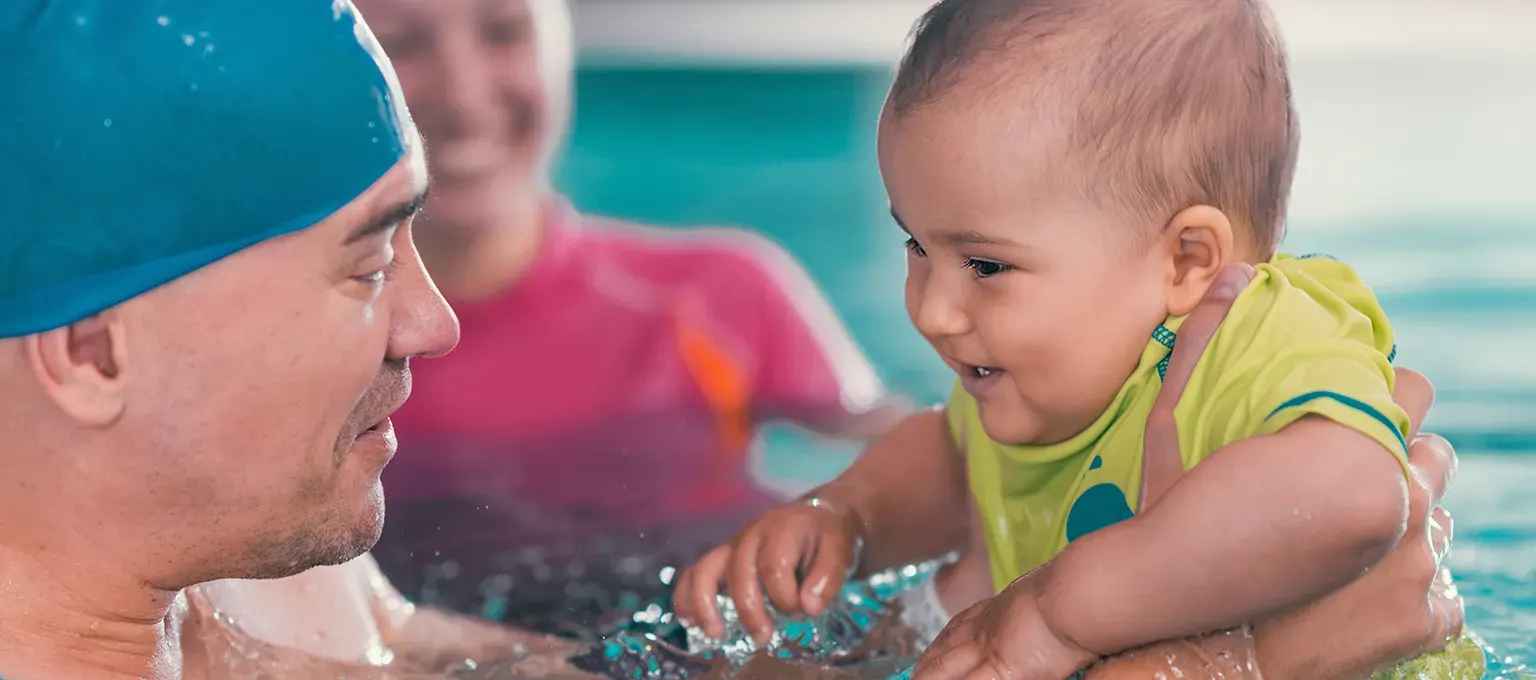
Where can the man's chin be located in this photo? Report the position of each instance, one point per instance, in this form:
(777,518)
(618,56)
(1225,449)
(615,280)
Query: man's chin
(337,539)
(366,527)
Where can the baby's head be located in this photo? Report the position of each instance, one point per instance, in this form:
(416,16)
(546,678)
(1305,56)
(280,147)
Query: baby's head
(1071,173)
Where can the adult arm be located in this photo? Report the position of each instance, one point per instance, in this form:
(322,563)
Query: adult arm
(1404,607)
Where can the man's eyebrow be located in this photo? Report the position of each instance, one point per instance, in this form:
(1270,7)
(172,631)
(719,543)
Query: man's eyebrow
(388,218)
(967,237)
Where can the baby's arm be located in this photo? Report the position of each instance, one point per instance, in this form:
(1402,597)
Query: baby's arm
(1263,525)
(909,491)
(903,499)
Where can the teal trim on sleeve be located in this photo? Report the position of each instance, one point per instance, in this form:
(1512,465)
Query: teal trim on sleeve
(1167,339)
(1351,402)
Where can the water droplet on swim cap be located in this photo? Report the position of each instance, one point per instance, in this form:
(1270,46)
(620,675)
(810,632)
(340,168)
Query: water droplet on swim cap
(141,140)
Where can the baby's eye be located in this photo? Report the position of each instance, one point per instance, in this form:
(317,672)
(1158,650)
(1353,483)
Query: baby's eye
(986,268)
(916,248)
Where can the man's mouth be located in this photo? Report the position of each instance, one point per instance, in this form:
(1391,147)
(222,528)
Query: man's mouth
(385,426)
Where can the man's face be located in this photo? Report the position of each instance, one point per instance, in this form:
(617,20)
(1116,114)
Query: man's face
(489,85)
(260,389)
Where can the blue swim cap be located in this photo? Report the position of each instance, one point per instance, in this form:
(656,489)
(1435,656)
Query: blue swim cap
(141,140)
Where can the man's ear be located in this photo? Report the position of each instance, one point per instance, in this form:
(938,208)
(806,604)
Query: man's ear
(81,367)
(1198,242)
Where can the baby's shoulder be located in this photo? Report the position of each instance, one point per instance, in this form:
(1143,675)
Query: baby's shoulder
(1305,299)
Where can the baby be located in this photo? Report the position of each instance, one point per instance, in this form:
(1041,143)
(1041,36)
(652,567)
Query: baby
(1071,177)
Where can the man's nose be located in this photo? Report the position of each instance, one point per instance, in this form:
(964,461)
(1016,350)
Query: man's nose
(422,322)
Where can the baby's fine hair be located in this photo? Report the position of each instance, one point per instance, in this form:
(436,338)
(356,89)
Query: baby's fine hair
(1168,103)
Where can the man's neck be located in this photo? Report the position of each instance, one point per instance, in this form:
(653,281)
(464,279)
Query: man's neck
(69,617)
(474,264)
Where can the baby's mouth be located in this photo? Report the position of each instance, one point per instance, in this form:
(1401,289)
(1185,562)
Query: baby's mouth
(973,372)
(976,371)
(977,379)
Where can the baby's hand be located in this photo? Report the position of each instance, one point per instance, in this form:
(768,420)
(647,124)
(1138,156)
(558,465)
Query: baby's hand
(1008,637)
(799,553)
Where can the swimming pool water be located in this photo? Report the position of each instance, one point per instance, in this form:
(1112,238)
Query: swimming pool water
(791,153)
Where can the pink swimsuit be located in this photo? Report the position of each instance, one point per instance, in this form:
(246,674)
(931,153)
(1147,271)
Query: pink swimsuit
(611,392)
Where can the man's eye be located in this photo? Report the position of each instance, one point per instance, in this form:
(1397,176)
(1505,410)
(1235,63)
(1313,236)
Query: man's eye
(986,268)
(915,248)
(377,276)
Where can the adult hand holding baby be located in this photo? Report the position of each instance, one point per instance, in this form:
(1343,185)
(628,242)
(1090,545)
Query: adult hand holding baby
(1381,619)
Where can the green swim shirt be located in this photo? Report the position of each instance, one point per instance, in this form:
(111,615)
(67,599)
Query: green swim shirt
(1306,337)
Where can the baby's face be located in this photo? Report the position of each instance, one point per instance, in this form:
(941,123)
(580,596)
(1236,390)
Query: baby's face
(1030,293)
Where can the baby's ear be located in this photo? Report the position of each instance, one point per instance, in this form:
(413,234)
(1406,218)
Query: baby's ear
(1198,242)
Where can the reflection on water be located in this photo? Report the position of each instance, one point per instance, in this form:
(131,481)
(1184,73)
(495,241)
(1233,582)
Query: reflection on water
(860,637)
(863,635)
(577,585)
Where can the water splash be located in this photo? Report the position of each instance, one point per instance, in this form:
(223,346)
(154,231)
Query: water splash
(859,636)
(839,632)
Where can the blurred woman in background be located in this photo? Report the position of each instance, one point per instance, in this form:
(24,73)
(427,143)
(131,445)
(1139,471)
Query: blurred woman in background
(611,378)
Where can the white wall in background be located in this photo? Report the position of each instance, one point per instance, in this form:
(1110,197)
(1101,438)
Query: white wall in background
(1408,106)
(872,31)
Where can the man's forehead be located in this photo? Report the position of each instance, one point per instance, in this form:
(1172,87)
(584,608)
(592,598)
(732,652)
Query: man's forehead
(416,161)
(395,198)
(408,180)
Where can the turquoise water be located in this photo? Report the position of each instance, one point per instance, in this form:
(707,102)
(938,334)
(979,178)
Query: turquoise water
(791,153)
